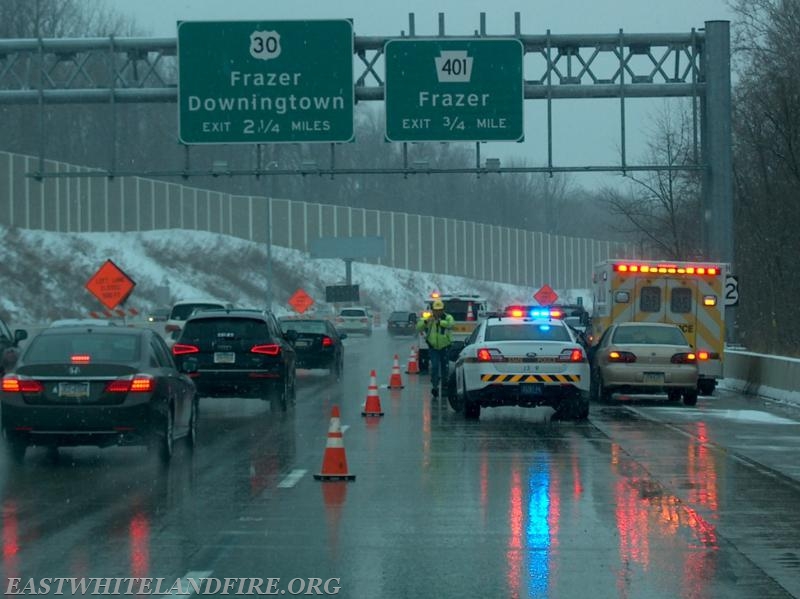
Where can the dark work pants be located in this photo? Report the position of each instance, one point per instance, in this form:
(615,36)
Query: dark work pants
(438,366)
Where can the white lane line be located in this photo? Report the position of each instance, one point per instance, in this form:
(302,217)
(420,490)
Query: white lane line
(195,575)
(291,479)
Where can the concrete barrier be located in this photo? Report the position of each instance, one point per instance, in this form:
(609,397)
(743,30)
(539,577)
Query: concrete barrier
(775,377)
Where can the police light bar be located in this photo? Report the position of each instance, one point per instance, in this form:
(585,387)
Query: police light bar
(665,269)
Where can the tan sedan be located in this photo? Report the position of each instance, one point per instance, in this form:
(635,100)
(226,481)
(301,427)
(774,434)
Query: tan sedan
(644,358)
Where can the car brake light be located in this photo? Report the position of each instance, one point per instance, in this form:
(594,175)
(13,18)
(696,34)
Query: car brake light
(703,355)
(621,356)
(327,342)
(180,349)
(271,349)
(80,359)
(490,355)
(141,383)
(571,355)
(684,358)
(14,384)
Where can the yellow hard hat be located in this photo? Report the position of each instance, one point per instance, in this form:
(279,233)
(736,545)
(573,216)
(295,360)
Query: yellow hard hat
(438,305)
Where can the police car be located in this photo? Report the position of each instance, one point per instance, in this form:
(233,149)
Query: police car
(529,360)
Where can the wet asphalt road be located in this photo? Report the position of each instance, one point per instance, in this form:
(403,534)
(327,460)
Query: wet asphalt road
(647,499)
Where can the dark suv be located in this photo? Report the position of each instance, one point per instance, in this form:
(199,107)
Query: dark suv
(238,353)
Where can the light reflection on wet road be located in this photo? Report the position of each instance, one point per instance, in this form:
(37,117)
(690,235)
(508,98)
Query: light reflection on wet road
(644,500)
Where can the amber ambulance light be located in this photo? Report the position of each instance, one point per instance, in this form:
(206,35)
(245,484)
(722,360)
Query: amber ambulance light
(709,300)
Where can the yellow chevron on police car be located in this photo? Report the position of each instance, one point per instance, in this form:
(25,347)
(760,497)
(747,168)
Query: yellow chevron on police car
(531,378)
(522,361)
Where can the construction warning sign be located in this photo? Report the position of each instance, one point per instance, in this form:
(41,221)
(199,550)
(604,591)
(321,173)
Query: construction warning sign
(300,301)
(545,296)
(110,285)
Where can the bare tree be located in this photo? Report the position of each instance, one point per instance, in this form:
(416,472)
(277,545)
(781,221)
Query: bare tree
(662,208)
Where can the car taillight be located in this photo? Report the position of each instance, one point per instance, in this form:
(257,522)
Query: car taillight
(15,384)
(489,355)
(572,355)
(621,356)
(684,358)
(272,349)
(327,342)
(707,355)
(339,319)
(141,383)
(364,319)
(80,359)
(181,348)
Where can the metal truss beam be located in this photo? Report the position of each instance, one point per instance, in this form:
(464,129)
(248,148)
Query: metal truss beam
(134,70)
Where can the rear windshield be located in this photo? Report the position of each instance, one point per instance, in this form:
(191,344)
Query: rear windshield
(226,328)
(112,348)
(305,326)
(184,311)
(649,335)
(353,312)
(395,316)
(526,332)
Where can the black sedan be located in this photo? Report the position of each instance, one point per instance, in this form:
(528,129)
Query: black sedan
(101,386)
(402,323)
(318,344)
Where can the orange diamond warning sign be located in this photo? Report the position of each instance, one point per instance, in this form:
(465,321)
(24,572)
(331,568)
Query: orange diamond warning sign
(545,296)
(110,285)
(300,301)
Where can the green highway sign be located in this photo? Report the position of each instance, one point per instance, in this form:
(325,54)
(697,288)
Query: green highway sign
(467,89)
(265,81)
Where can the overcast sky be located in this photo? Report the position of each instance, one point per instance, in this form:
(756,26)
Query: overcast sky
(585,132)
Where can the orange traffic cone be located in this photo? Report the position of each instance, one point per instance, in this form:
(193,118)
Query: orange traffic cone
(395,381)
(334,462)
(412,367)
(470,313)
(372,407)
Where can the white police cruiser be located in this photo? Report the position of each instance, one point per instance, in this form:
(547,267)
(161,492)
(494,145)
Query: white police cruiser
(529,360)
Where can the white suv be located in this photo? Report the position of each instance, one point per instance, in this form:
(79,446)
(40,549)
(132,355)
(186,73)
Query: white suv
(183,309)
(354,320)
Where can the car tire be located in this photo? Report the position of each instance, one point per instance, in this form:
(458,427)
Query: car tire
(16,447)
(165,441)
(598,391)
(674,395)
(191,437)
(279,397)
(706,386)
(452,394)
(472,409)
(690,397)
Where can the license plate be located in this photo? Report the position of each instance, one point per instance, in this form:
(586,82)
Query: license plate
(73,390)
(654,378)
(224,357)
(531,388)
(302,343)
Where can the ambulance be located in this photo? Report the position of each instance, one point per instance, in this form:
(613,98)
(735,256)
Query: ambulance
(688,294)
(465,308)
